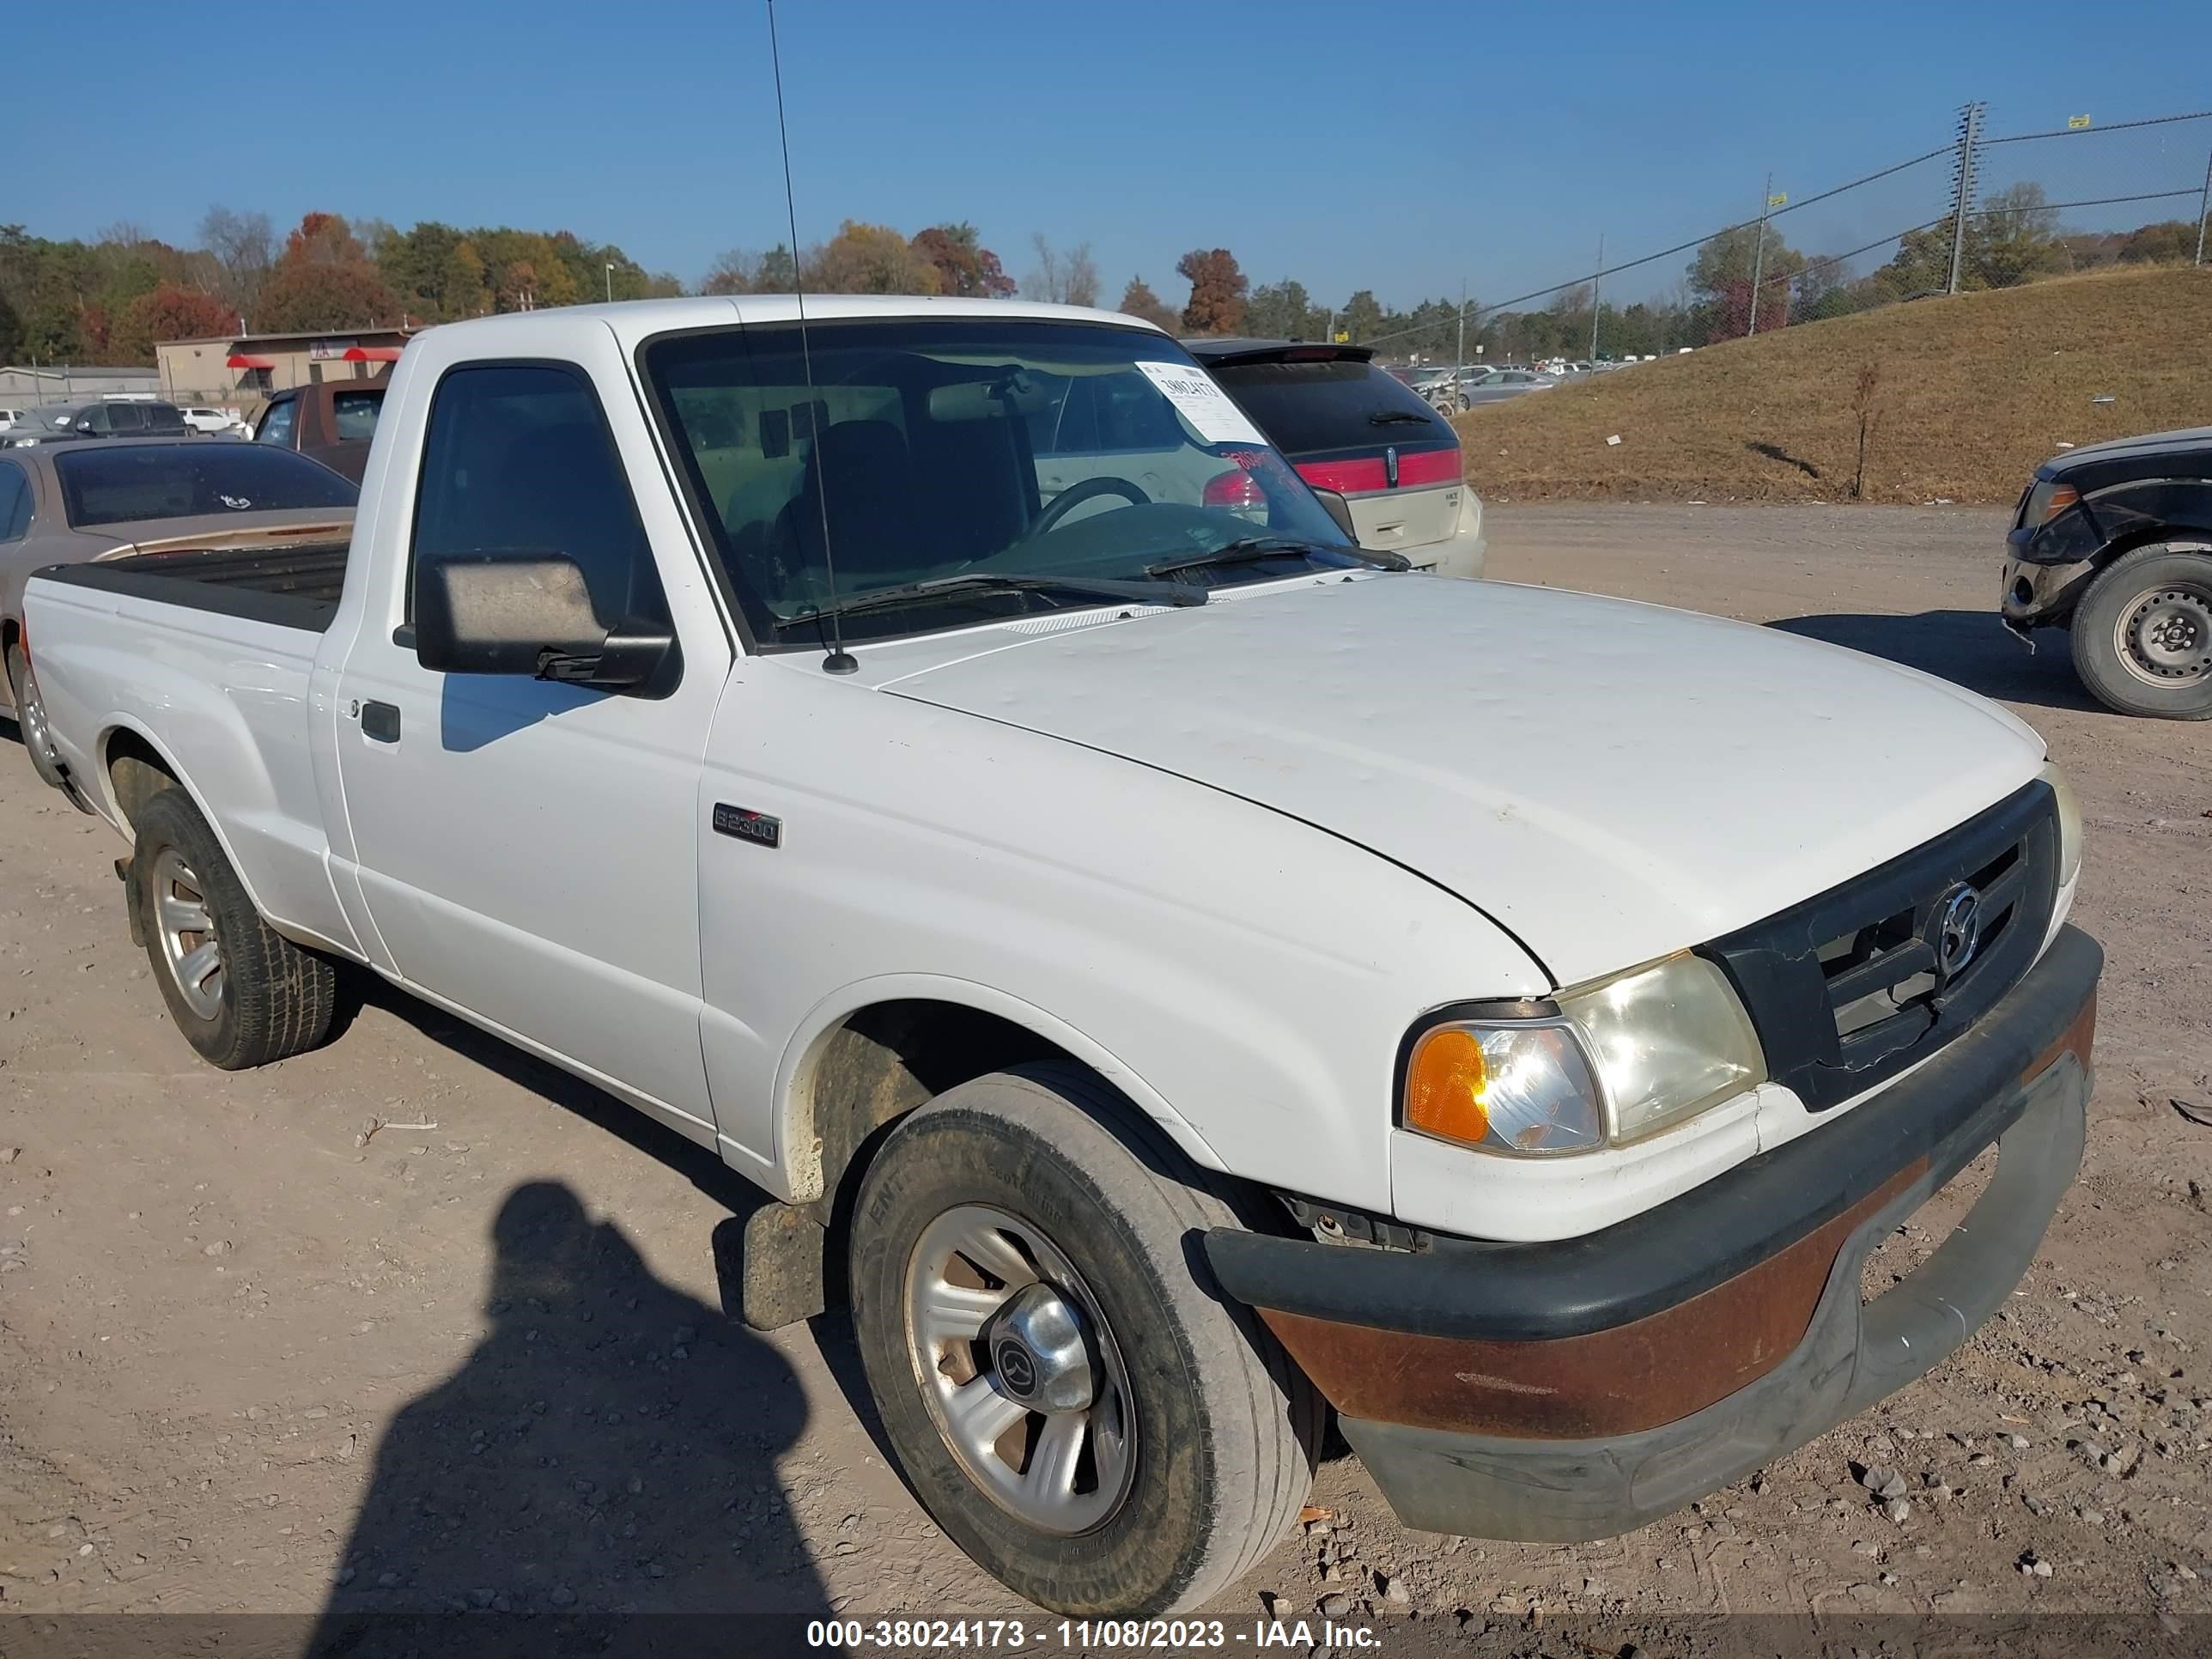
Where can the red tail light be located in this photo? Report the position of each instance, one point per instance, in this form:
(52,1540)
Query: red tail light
(1235,489)
(1417,469)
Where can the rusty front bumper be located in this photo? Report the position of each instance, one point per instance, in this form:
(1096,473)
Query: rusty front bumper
(1574,1390)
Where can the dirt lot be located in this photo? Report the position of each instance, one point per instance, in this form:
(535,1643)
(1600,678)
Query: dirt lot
(250,1363)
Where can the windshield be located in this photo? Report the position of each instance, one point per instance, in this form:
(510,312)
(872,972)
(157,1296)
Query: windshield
(103,485)
(970,447)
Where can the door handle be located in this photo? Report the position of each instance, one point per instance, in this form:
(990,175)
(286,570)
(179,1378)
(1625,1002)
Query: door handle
(380,720)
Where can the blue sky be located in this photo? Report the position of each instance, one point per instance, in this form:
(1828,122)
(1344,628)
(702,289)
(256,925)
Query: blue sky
(1403,147)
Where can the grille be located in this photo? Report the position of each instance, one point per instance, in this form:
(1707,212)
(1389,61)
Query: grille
(1849,988)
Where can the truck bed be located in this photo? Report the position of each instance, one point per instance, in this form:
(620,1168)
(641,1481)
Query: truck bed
(294,585)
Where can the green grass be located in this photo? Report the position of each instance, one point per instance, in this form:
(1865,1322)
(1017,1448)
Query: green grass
(1976,389)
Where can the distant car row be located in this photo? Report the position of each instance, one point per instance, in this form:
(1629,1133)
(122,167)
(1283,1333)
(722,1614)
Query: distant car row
(115,417)
(332,422)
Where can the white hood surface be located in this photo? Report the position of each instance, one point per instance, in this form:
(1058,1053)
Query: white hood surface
(1612,781)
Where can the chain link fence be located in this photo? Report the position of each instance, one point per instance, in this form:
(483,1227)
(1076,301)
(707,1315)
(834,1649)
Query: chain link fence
(1981,211)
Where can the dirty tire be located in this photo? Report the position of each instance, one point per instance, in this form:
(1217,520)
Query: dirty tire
(2143,576)
(276,998)
(21,684)
(1226,1428)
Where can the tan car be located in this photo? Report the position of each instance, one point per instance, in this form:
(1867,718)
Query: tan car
(76,502)
(1350,426)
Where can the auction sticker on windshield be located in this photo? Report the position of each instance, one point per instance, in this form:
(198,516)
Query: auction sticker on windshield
(1202,403)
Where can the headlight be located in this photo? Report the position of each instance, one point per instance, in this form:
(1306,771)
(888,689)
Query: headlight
(2070,822)
(1620,1060)
(1670,1040)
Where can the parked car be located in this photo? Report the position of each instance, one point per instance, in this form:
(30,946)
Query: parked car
(73,502)
(118,417)
(214,421)
(1350,427)
(1498,385)
(1202,972)
(332,422)
(2113,543)
(15,420)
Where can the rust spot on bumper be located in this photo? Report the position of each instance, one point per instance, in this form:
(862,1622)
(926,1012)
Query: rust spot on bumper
(1638,1376)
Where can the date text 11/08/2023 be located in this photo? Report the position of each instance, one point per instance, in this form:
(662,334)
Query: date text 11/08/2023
(1088,1635)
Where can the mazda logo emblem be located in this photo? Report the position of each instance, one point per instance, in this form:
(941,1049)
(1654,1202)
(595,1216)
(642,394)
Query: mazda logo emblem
(1017,1369)
(1957,931)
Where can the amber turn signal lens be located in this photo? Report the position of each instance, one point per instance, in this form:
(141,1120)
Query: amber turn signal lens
(2061,498)
(1446,1086)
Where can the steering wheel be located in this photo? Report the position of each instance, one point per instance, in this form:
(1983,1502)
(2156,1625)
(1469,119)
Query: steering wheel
(1068,499)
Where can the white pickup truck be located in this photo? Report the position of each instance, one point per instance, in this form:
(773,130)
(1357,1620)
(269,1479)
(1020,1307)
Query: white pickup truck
(1172,969)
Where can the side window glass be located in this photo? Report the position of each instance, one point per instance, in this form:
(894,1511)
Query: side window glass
(94,419)
(276,422)
(518,459)
(354,414)
(14,503)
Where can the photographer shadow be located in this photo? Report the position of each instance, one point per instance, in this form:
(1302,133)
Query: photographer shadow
(607,1450)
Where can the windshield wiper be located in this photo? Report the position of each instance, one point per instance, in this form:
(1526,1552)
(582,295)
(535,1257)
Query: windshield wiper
(1251,550)
(1396,418)
(991,582)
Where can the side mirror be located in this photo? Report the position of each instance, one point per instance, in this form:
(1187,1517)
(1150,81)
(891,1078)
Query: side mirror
(499,613)
(1341,510)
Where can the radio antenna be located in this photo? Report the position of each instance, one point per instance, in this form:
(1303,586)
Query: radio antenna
(840,660)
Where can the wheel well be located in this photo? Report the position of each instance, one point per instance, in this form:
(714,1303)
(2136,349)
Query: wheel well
(136,772)
(879,1064)
(2150,536)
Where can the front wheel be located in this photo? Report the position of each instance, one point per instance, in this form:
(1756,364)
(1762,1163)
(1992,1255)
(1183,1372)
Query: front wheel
(1101,1431)
(2142,633)
(31,719)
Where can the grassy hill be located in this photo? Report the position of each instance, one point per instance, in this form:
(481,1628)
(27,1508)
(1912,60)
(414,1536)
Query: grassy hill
(1975,389)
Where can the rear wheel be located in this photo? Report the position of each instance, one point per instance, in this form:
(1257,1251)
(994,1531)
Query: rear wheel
(2142,633)
(241,994)
(31,718)
(1096,1427)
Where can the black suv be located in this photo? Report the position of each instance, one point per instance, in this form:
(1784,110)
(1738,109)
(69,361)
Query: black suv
(2113,542)
(120,419)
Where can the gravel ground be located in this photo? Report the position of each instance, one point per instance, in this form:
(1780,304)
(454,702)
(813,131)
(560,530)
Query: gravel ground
(251,1362)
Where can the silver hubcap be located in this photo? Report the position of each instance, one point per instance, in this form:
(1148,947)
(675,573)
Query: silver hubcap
(2165,638)
(1020,1374)
(31,718)
(187,931)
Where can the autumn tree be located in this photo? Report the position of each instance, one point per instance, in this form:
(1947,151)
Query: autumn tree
(169,313)
(1217,289)
(864,258)
(1727,264)
(964,267)
(1138,300)
(306,296)
(2171,242)
(323,239)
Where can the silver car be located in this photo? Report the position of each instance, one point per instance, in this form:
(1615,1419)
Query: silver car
(79,501)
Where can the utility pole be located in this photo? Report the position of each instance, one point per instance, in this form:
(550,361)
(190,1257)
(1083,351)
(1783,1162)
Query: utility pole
(1458,366)
(1597,277)
(1970,136)
(1759,255)
(2203,202)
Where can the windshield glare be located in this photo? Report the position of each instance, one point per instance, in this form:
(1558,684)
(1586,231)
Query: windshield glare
(969,446)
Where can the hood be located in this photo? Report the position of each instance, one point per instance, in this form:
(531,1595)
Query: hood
(2194,441)
(1612,781)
